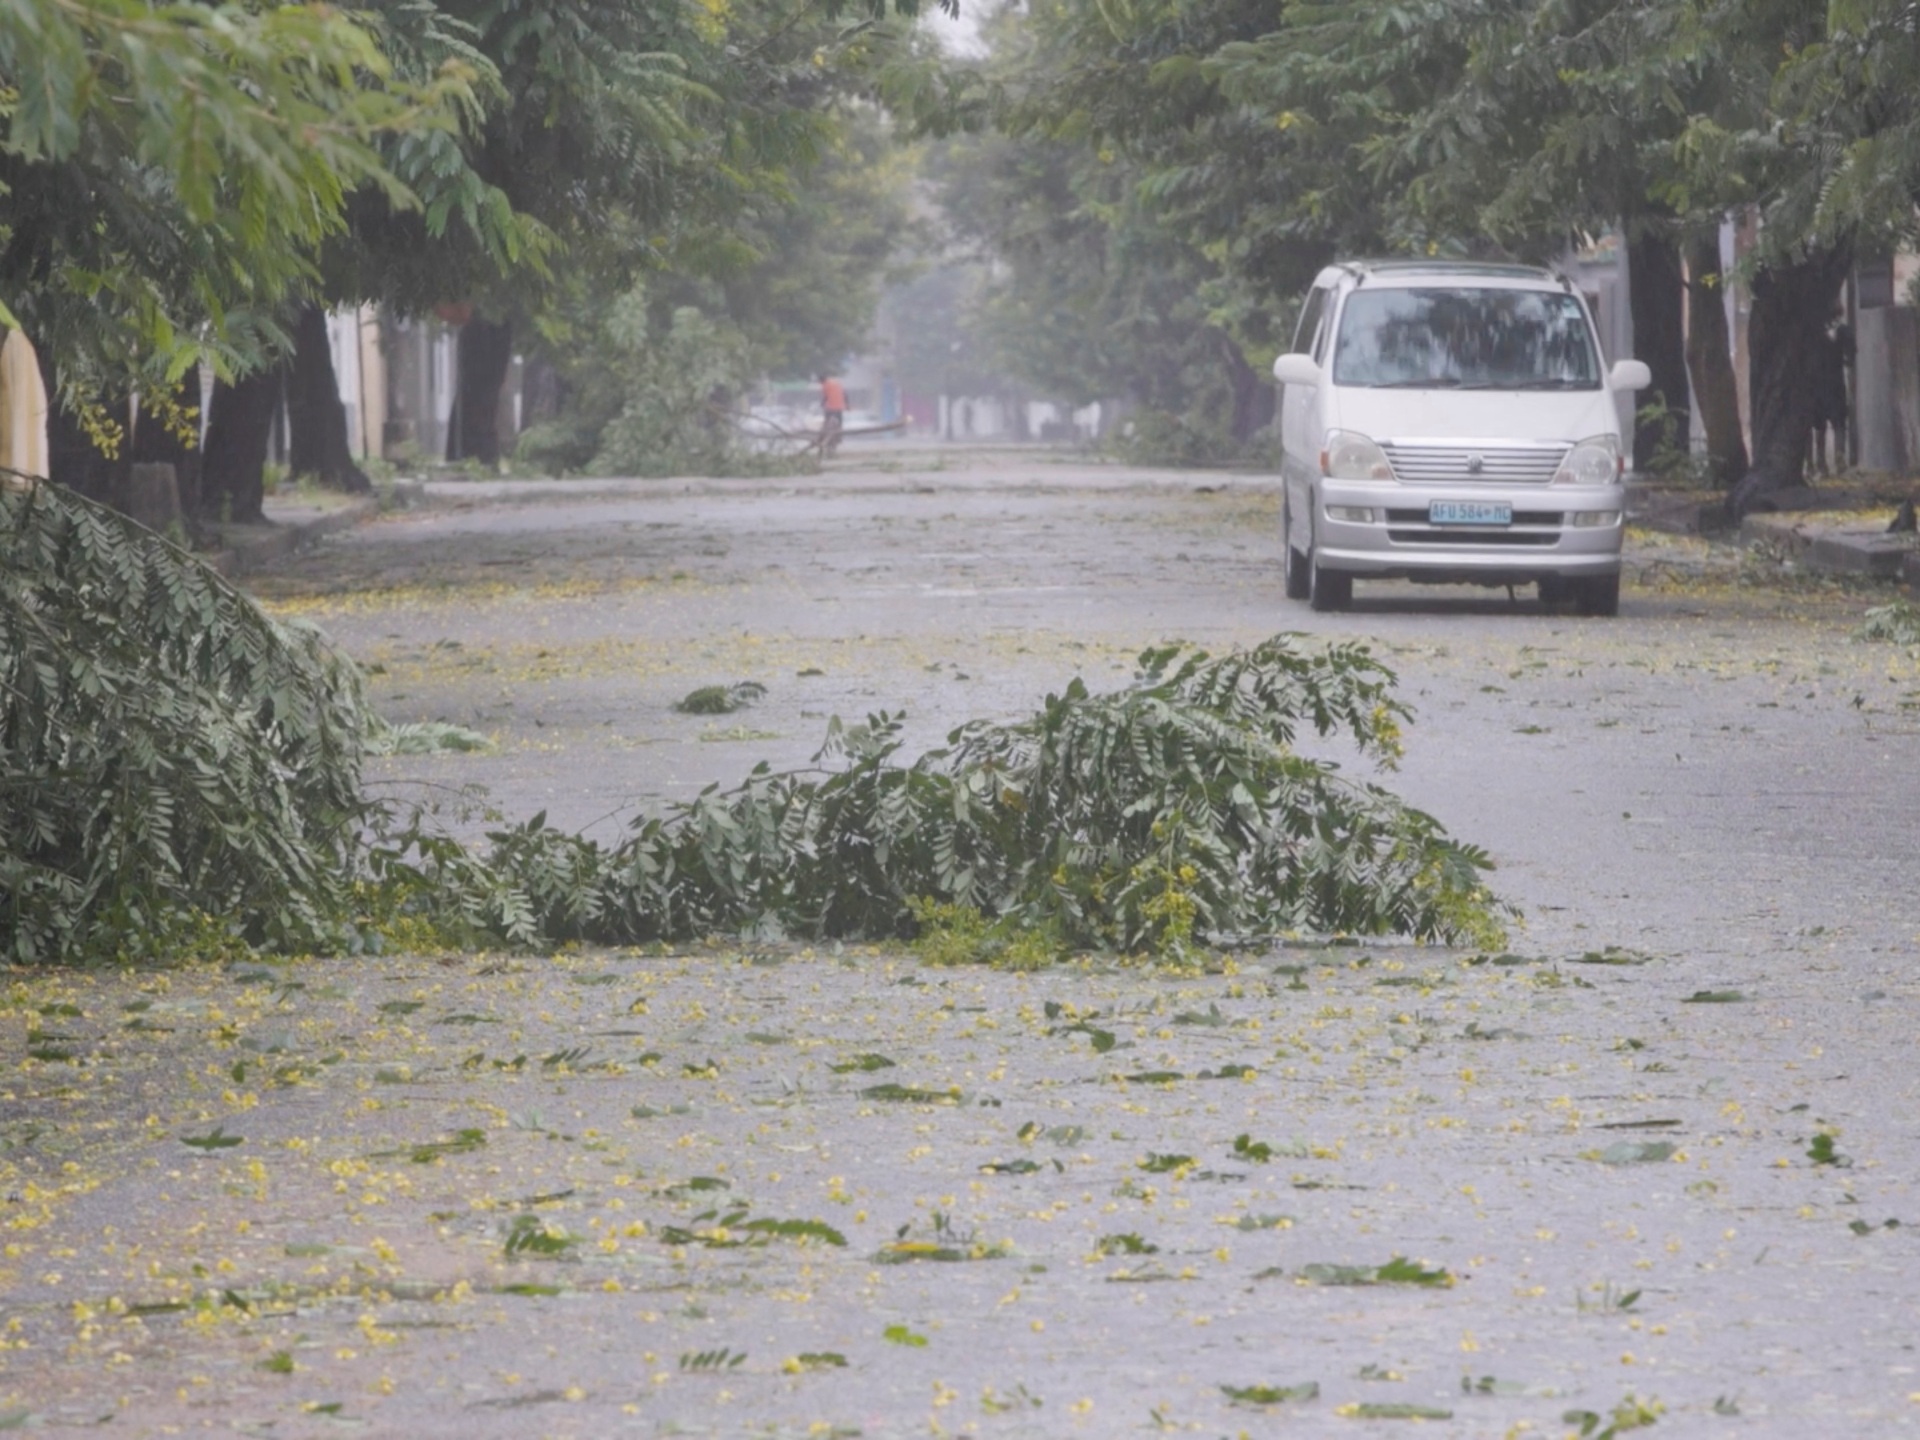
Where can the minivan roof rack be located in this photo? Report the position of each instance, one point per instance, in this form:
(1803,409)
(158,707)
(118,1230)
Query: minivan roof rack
(1500,269)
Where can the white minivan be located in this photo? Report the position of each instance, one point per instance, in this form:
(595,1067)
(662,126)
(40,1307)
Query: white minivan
(1451,422)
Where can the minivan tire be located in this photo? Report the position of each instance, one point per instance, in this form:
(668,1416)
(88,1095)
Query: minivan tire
(1600,595)
(1293,565)
(1328,589)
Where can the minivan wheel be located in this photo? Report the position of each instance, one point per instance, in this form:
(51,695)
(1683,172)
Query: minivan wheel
(1293,565)
(1328,589)
(1600,595)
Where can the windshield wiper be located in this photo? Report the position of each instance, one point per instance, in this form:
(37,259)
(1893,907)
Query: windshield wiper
(1436,383)
(1553,385)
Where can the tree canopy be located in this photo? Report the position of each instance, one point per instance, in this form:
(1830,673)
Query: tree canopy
(1264,139)
(167,170)
(185,183)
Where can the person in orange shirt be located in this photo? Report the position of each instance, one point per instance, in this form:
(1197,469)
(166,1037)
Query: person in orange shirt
(833,404)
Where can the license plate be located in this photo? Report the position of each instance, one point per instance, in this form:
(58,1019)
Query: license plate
(1469,512)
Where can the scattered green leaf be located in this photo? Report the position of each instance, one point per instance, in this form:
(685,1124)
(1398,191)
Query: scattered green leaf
(218,1139)
(865,1062)
(910,1095)
(1270,1394)
(1632,1152)
(1397,1271)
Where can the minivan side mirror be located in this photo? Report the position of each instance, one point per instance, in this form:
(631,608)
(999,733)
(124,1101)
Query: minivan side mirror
(1629,375)
(1301,370)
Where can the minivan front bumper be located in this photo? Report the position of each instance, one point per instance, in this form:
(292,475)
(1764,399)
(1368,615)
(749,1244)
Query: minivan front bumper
(1557,530)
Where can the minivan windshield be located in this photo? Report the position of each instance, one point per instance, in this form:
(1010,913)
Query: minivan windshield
(1465,339)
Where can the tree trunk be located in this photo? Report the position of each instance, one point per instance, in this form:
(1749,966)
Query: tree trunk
(154,443)
(73,460)
(1786,337)
(315,417)
(473,431)
(239,422)
(1655,288)
(1710,361)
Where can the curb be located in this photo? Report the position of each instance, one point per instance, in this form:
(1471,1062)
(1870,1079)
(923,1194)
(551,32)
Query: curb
(245,549)
(1866,550)
(1828,545)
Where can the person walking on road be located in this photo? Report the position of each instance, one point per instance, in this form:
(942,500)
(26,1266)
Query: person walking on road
(833,405)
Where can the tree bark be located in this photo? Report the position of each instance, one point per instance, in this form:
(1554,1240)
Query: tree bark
(316,419)
(1656,290)
(1786,336)
(473,431)
(1710,361)
(239,423)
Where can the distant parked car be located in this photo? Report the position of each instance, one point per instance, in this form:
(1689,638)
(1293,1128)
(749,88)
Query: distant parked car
(1451,422)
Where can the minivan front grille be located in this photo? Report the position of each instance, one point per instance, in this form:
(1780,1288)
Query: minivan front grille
(1454,464)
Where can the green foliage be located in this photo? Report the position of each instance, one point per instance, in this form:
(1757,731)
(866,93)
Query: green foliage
(1171,812)
(819,1360)
(678,386)
(720,699)
(1822,1151)
(1634,1152)
(1632,1413)
(1245,144)
(1255,1152)
(170,754)
(165,167)
(1397,1271)
(216,1139)
(945,1244)
(167,752)
(1270,1394)
(712,1361)
(1096,295)
(558,447)
(426,737)
(952,934)
(1160,437)
(1898,622)
(798,266)
(530,1236)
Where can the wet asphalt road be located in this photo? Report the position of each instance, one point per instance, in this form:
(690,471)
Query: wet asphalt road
(1617,1165)
(1719,766)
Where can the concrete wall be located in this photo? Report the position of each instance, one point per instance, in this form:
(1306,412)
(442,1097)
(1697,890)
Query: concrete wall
(1886,400)
(420,356)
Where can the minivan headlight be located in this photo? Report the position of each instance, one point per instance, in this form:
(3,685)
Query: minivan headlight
(1594,461)
(1352,456)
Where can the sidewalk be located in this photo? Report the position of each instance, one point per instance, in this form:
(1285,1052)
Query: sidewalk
(1837,530)
(296,520)
(1837,544)
(1848,538)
